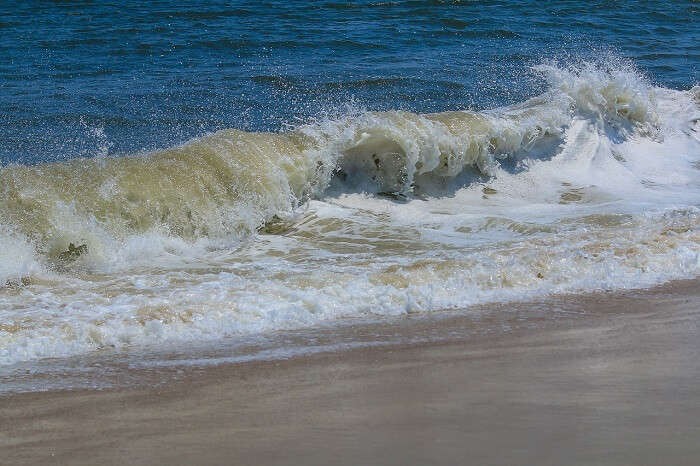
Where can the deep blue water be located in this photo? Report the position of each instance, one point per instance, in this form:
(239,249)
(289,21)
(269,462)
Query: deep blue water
(80,78)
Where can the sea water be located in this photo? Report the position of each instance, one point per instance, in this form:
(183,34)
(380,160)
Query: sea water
(173,175)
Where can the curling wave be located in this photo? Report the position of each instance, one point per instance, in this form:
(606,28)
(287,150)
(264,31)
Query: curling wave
(226,185)
(594,184)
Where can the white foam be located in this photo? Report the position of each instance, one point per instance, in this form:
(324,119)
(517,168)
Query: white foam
(17,258)
(594,185)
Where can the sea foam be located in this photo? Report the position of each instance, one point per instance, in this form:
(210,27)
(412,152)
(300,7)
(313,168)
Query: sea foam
(594,184)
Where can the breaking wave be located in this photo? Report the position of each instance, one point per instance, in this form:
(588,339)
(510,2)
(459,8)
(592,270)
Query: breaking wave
(226,185)
(594,184)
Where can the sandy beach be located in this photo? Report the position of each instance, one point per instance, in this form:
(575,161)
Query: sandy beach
(613,379)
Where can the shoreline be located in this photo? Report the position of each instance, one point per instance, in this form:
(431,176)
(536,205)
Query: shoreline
(605,378)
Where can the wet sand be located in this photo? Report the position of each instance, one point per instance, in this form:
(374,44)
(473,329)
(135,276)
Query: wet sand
(613,379)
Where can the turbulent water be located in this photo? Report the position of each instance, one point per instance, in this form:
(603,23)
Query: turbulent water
(590,181)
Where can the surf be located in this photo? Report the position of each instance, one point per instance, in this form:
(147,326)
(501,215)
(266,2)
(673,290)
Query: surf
(225,186)
(592,185)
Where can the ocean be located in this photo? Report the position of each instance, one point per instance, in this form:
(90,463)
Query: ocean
(175,175)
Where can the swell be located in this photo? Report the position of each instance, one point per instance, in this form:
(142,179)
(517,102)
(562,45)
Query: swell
(227,184)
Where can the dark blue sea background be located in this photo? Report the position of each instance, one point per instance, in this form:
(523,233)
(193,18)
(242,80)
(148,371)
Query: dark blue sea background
(82,78)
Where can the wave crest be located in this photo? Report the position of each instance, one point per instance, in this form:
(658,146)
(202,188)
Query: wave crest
(225,185)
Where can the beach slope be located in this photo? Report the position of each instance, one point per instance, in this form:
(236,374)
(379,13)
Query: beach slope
(614,379)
